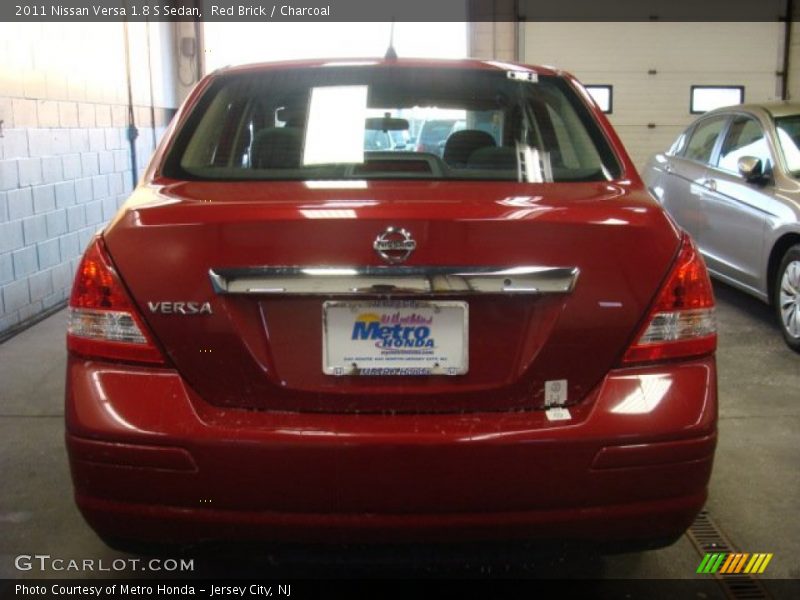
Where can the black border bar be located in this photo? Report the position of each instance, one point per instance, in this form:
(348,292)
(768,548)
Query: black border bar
(67,11)
(328,589)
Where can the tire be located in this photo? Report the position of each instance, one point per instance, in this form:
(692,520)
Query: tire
(787,297)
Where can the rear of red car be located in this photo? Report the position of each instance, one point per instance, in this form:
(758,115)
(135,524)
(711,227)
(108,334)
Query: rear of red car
(285,337)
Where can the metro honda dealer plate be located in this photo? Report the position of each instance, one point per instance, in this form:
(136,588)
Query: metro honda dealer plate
(398,337)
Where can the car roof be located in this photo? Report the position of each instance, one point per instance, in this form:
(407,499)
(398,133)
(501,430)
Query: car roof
(774,109)
(400,62)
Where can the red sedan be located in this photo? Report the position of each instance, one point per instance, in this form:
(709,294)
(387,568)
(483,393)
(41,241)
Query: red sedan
(286,335)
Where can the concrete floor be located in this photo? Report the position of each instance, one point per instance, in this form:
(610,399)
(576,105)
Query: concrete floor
(755,489)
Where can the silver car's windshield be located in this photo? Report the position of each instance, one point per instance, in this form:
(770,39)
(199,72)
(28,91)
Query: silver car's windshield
(788,133)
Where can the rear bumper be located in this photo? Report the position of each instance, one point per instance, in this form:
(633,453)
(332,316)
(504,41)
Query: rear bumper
(151,461)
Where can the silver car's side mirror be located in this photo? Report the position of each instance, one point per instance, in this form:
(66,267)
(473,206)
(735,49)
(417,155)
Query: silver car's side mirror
(751,168)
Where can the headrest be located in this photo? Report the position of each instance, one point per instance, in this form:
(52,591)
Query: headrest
(461,144)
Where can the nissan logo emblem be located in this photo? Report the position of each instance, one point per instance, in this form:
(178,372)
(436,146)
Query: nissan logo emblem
(394,245)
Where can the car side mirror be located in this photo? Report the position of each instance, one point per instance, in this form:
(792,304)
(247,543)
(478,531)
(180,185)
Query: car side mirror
(751,168)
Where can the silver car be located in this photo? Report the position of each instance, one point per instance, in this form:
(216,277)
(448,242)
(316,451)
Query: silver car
(732,180)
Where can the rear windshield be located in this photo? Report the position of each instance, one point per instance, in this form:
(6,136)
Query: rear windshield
(390,123)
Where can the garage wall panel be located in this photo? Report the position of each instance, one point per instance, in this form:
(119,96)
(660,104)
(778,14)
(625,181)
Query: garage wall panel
(492,32)
(493,40)
(65,161)
(794,58)
(652,108)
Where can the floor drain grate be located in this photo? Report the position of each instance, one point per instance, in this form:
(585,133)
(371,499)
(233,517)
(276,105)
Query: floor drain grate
(707,538)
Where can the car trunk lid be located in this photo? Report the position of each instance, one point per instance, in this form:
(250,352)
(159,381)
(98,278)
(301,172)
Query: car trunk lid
(214,267)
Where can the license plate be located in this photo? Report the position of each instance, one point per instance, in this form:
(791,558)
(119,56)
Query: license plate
(395,338)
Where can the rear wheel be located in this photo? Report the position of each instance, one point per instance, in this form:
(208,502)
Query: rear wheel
(787,297)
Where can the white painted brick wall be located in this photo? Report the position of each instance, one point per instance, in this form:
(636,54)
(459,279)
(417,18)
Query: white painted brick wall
(6,269)
(64,154)
(56,224)
(24,110)
(44,198)
(71,166)
(9,175)
(10,237)
(30,171)
(69,246)
(13,144)
(24,262)
(76,217)
(65,192)
(34,229)
(20,203)
(16,295)
(49,255)
(41,284)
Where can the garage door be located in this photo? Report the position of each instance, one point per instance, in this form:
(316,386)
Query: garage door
(651,67)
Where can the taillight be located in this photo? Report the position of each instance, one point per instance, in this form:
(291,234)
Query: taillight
(681,322)
(103,321)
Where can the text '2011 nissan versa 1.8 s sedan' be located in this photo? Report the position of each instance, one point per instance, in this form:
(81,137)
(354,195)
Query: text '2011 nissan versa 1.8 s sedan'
(283,336)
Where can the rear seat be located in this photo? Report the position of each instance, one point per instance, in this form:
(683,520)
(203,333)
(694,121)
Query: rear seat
(503,158)
(277,148)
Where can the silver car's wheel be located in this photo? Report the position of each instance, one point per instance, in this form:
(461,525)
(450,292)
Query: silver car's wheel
(788,297)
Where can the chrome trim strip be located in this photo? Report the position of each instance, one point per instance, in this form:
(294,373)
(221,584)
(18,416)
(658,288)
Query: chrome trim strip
(382,281)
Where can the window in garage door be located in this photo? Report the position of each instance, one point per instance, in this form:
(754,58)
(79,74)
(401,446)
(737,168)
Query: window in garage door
(708,97)
(744,138)
(603,95)
(703,139)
